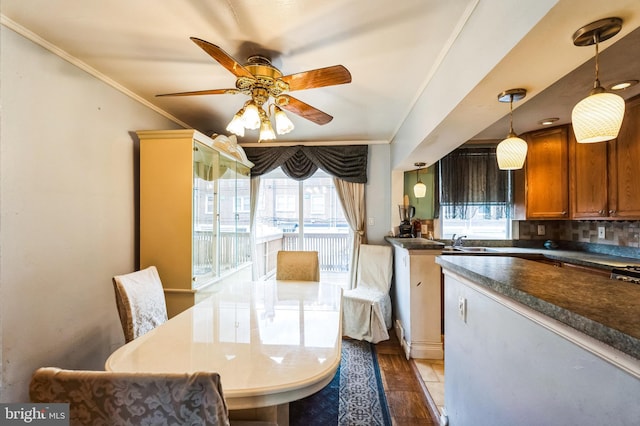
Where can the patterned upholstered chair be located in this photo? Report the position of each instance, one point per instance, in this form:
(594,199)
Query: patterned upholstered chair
(140,301)
(105,398)
(366,309)
(298,266)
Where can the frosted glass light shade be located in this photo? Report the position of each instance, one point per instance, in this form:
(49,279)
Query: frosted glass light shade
(266,131)
(236,125)
(251,117)
(511,153)
(283,124)
(420,190)
(598,117)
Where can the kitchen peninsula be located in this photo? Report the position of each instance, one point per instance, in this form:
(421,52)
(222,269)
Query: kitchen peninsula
(417,296)
(530,343)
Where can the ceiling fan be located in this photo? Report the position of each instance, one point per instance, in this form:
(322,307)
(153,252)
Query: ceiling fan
(261,81)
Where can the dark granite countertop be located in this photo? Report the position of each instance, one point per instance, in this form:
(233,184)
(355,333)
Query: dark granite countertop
(576,257)
(415,243)
(605,309)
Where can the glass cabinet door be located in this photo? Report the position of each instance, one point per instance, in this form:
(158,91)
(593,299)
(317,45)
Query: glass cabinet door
(243,213)
(227,215)
(204,211)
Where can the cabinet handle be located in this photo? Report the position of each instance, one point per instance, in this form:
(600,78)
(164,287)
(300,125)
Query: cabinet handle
(601,212)
(612,212)
(564,213)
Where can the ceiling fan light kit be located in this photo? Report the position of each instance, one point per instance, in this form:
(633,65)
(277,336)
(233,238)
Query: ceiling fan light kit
(267,87)
(512,151)
(598,117)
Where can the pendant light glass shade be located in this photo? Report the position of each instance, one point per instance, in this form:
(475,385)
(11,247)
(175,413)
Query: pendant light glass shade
(419,189)
(511,153)
(598,117)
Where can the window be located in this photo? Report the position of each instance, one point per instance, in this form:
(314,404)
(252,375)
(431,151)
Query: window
(475,195)
(308,215)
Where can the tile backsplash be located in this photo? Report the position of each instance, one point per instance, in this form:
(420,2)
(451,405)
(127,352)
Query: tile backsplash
(624,235)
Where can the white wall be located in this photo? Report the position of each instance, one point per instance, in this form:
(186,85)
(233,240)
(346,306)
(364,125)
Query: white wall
(67,213)
(378,193)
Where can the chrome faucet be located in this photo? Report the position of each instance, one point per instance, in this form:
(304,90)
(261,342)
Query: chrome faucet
(457,242)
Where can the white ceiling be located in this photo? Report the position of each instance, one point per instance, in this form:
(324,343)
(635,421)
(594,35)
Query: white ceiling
(425,73)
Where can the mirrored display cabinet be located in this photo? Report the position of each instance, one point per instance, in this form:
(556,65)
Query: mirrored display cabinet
(194,214)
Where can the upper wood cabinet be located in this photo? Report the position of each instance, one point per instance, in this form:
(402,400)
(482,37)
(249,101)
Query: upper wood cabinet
(624,199)
(589,179)
(604,176)
(547,175)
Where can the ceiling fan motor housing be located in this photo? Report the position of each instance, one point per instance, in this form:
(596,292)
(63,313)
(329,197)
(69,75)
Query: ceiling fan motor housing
(266,81)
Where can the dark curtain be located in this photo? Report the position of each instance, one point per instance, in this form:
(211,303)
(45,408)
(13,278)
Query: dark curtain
(348,163)
(472,183)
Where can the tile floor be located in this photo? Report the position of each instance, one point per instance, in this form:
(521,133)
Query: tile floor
(432,373)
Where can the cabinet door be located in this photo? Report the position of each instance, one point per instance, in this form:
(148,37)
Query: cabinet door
(227,215)
(547,176)
(625,176)
(204,211)
(589,179)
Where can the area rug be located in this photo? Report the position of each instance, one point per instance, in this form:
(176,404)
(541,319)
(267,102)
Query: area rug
(354,397)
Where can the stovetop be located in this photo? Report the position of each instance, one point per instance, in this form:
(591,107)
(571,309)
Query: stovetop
(626,273)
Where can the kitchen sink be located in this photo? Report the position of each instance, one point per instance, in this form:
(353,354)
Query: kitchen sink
(480,249)
(468,249)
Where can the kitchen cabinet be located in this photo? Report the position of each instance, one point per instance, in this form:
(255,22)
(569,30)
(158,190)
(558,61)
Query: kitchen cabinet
(624,202)
(417,302)
(604,176)
(194,214)
(547,176)
(589,179)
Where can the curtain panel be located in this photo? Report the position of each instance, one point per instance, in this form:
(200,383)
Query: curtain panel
(471,181)
(299,162)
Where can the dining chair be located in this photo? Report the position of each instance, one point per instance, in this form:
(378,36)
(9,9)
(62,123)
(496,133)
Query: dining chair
(366,309)
(298,265)
(140,301)
(109,398)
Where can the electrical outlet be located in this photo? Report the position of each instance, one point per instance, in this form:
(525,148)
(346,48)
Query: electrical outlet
(371,221)
(541,230)
(462,308)
(601,233)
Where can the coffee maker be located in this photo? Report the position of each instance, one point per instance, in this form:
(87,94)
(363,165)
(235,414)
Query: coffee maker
(406,214)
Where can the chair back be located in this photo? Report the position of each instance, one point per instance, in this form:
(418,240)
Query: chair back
(140,301)
(298,266)
(108,398)
(375,267)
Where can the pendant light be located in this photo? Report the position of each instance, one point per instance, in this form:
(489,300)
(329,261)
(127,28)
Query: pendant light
(419,189)
(512,151)
(598,117)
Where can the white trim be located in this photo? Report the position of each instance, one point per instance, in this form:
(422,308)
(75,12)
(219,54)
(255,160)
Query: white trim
(7,22)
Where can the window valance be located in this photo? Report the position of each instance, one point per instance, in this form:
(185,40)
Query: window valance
(347,162)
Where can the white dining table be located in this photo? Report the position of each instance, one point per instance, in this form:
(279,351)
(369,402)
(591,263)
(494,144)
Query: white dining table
(272,342)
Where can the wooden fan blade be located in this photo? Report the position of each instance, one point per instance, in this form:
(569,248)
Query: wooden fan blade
(203,92)
(223,58)
(320,77)
(304,110)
